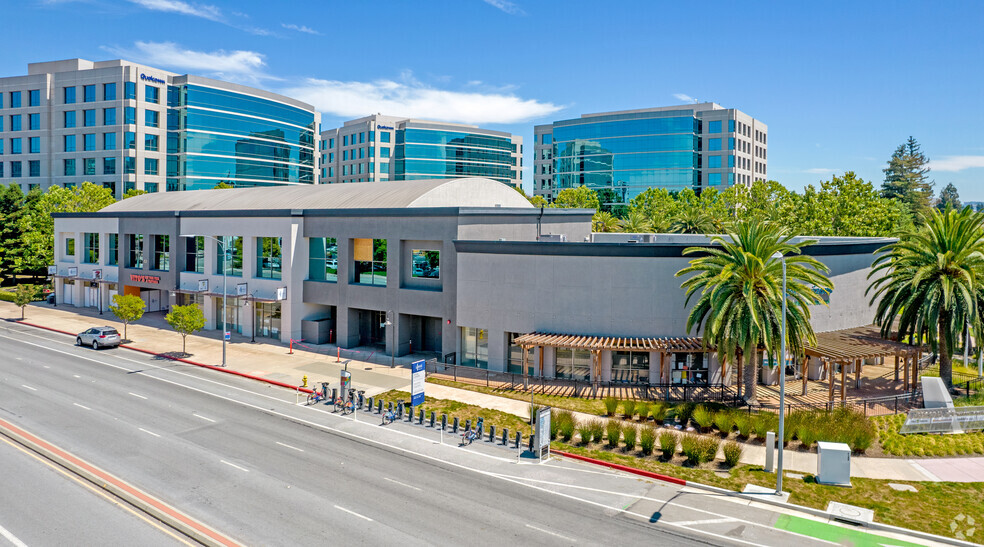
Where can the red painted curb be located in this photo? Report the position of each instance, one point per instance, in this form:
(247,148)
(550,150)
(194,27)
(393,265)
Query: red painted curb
(203,365)
(625,468)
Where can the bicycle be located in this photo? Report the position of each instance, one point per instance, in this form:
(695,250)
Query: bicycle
(468,436)
(317,396)
(389,417)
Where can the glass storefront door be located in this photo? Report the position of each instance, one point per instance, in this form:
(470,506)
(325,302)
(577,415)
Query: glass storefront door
(267,319)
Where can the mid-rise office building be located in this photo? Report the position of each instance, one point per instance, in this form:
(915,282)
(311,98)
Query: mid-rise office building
(621,154)
(380,148)
(130,126)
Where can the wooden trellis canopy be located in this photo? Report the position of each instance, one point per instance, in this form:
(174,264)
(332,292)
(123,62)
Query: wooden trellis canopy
(858,343)
(574,341)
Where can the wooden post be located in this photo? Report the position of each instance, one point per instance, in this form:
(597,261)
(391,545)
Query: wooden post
(806,361)
(905,372)
(857,372)
(741,377)
(897,366)
(915,370)
(830,378)
(525,360)
(596,362)
(724,368)
(662,354)
(843,379)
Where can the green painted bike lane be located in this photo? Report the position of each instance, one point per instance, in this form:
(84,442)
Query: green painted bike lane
(837,534)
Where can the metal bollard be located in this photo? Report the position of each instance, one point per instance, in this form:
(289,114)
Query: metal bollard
(454,426)
(491,433)
(444,422)
(433,416)
(519,438)
(480,426)
(468,425)
(369,403)
(390,406)
(334,394)
(420,417)
(505,436)
(379,406)
(399,409)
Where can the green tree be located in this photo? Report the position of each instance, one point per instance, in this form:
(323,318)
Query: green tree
(581,197)
(740,294)
(761,200)
(37,226)
(132,192)
(847,206)
(222,185)
(692,215)
(24,295)
(186,320)
(11,209)
(658,205)
(907,178)
(128,308)
(929,281)
(539,201)
(635,223)
(603,221)
(949,198)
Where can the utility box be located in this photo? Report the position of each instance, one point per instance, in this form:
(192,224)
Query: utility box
(833,464)
(317,331)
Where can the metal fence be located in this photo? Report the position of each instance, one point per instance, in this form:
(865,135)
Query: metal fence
(873,406)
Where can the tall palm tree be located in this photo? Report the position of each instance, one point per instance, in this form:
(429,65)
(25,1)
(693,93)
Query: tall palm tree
(930,280)
(692,219)
(635,222)
(603,221)
(740,286)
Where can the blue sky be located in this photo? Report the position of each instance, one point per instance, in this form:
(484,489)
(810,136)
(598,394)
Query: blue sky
(840,84)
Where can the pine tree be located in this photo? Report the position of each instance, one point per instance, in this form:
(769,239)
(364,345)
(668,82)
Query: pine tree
(949,197)
(907,178)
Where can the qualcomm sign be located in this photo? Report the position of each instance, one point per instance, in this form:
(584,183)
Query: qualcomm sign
(151,79)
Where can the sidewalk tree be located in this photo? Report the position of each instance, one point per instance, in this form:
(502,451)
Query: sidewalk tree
(186,320)
(739,289)
(128,308)
(24,295)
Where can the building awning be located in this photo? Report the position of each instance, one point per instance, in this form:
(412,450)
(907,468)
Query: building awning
(858,343)
(574,341)
(188,291)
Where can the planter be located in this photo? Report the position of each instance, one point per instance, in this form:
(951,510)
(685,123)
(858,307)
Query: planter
(770,375)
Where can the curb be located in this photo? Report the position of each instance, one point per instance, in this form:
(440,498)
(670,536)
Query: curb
(150,505)
(181,360)
(762,499)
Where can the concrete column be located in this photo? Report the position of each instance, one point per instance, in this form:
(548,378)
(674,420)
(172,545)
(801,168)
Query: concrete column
(498,344)
(549,362)
(606,366)
(209,304)
(348,327)
(654,367)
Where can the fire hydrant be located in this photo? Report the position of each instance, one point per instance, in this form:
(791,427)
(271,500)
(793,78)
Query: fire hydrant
(304,381)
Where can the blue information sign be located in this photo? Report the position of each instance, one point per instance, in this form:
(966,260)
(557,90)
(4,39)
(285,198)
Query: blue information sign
(417,376)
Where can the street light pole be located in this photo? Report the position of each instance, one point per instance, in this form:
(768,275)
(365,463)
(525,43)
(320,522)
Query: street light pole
(390,325)
(782,377)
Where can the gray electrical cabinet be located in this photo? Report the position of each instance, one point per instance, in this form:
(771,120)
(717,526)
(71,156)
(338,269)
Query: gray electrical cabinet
(833,464)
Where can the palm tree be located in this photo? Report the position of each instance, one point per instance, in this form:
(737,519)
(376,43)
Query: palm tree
(740,286)
(635,223)
(603,221)
(692,219)
(930,280)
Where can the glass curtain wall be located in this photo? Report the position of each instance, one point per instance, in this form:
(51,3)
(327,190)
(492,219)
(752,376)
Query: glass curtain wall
(427,153)
(474,347)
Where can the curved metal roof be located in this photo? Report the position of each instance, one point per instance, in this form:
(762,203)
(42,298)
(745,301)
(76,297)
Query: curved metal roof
(461,192)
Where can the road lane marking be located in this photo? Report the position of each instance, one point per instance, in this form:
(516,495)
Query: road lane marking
(29,387)
(349,511)
(402,484)
(135,395)
(703,522)
(555,534)
(148,432)
(76,376)
(82,406)
(234,465)
(290,447)
(204,418)
(11,537)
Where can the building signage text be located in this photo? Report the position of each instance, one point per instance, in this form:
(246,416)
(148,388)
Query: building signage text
(383,127)
(152,79)
(145,278)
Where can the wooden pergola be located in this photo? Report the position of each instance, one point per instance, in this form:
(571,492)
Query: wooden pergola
(597,344)
(853,346)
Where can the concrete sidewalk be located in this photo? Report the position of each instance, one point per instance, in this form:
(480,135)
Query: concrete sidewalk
(272,360)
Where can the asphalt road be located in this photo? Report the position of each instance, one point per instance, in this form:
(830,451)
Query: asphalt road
(244,459)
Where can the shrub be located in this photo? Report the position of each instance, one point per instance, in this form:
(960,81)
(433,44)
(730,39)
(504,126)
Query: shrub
(611,405)
(566,424)
(690,446)
(703,417)
(708,448)
(613,430)
(647,439)
(642,409)
(732,453)
(534,410)
(865,436)
(667,444)
(629,434)
(765,422)
(658,411)
(724,421)
(597,430)
(744,424)
(628,408)
(584,430)
(683,412)
(807,435)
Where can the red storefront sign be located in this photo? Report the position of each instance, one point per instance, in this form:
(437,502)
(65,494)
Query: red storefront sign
(145,278)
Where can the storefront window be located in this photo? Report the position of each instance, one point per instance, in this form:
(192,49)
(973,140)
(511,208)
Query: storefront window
(268,257)
(516,357)
(323,259)
(573,364)
(232,313)
(268,319)
(232,246)
(689,368)
(630,366)
(474,347)
(370,261)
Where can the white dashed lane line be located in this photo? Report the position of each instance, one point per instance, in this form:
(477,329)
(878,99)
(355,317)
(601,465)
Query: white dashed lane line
(402,484)
(290,447)
(148,432)
(554,534)
(236,466)
(82,406)
(136,395)
(349,511)
(29,387)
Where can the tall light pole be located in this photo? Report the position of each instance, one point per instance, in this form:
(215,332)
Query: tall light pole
(225,310)
(389,323)
(782,376)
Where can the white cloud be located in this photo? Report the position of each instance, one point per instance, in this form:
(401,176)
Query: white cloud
(204,11)
(956,163)
(684,97)
(412,98)
(300,28)
(235,66)
(506,6)
(820,171)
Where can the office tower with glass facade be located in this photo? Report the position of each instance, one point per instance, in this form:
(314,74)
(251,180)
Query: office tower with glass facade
(129,126)
(621,154)
(381,148)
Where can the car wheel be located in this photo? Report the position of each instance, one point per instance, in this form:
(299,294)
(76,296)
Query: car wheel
(78,341)
(95,345)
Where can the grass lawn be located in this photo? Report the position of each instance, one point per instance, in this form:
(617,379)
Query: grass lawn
(924,444)
(463,412)
(960,373)
(588,406)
